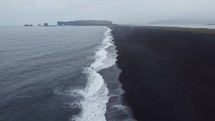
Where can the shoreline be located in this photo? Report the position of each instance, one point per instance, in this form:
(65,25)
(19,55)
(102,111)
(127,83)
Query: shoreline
(167,73)
(95,94)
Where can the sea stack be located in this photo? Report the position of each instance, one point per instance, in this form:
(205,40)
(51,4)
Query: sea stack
(46,24)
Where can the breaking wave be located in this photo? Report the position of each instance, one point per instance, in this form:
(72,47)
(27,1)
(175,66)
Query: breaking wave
(95,94)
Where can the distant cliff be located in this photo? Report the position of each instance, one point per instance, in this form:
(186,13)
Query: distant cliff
(27,25)
(85,23)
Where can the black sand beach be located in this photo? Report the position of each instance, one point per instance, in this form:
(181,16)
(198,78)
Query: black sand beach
(168,74)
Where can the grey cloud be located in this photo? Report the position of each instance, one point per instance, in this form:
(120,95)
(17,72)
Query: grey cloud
(119,11)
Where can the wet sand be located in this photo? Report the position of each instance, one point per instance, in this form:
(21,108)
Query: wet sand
(168,74)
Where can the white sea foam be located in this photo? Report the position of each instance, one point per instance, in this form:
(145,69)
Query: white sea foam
(96,92)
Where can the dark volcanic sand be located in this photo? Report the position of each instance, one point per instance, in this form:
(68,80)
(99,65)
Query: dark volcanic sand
(167,75)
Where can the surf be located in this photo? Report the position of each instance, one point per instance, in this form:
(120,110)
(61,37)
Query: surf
(95,94)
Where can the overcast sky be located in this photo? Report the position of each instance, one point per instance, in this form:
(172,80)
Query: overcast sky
(19,12)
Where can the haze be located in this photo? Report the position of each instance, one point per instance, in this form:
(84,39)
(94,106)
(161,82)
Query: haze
(19,12)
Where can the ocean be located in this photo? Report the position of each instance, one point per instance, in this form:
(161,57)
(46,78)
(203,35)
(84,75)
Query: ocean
(60,74)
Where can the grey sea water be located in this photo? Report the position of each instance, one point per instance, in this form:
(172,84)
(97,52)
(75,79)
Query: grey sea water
(59,74)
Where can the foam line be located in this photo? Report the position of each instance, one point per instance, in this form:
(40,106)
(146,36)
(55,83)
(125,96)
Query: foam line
(96,92)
